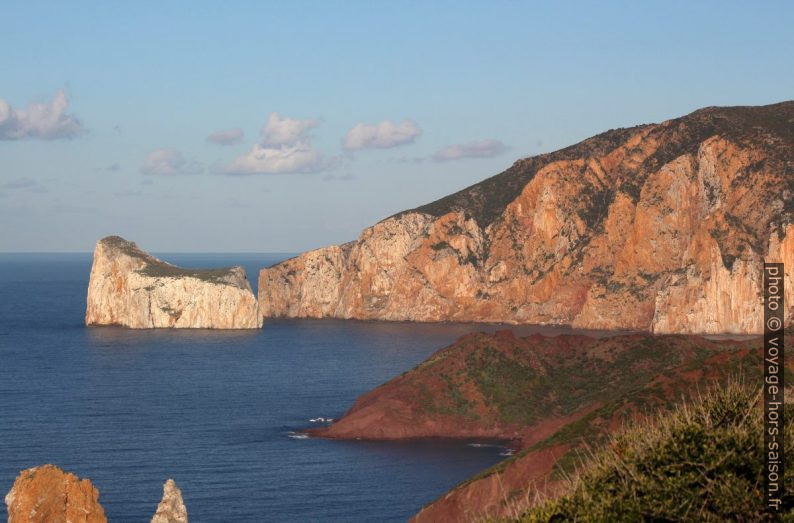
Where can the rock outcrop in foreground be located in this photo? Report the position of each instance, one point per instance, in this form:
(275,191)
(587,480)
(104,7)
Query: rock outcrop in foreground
(549,396)
(661,227)
(171,509)
(47,494)
(132,288)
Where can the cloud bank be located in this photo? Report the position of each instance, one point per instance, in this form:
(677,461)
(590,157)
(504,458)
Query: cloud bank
(284,148)
(384,135)
(169,162)
(474,149)
(226,137)
(43,121)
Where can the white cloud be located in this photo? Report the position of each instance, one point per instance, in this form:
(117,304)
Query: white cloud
(285,131)
(45,121)
(226,137)
(284,148)
(381,136)
(169,162)
(474,149)
(261,159)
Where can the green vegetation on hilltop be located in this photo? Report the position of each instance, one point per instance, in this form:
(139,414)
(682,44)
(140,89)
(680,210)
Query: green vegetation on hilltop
(701,462)
(765,126)
(163,270)
(507,383)
(125,246)
(615,375)
(159,269)
(519,383)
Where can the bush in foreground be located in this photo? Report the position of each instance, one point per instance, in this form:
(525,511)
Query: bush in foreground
(701,462)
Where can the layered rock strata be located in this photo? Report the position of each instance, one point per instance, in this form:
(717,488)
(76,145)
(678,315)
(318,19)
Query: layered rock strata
(131,288)
(661,227)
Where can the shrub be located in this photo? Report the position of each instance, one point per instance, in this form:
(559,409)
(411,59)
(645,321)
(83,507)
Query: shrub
(701,462)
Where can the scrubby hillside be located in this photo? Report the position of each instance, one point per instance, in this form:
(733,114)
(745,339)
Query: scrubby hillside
(553,397)
(527,388)
(701,462)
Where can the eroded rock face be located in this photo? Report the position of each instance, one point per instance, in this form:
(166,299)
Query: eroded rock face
(132,288)
(47,494)
(171,508)
(658,227)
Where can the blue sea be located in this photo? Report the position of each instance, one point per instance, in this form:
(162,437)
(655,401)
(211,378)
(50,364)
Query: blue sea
(221,412)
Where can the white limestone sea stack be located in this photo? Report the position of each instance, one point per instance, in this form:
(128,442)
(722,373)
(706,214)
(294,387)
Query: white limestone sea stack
(131,288)
(171,509)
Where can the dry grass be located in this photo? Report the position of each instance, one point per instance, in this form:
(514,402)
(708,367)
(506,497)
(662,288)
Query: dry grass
(700,462)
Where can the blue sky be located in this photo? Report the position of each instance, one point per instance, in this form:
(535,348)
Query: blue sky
(332,115)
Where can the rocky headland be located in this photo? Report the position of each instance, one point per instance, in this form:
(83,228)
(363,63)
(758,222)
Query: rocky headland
(660,227)
(129,287)
(548,397)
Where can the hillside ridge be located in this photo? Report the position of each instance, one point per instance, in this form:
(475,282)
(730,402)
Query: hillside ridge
(660,227)
(485,200)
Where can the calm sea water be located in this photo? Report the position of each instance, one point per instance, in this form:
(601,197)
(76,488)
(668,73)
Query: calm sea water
(216,411)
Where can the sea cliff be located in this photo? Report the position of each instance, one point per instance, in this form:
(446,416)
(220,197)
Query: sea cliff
(550,398)
(660,227)
(131,288)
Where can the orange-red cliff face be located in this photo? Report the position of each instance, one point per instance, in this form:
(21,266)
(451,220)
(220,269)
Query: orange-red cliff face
(658,227)
(48,494)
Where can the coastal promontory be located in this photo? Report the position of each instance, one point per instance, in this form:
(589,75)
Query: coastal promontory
(131,288)
(551,398)
(661,227)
